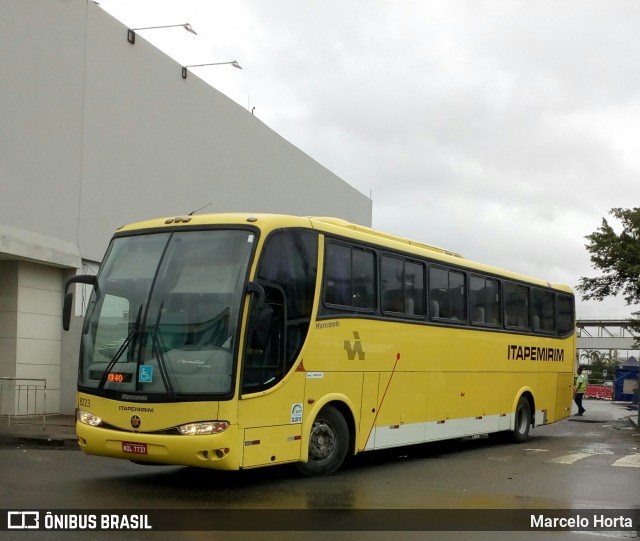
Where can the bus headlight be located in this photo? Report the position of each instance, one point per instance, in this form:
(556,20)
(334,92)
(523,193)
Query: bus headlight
(88,418)
(206,427)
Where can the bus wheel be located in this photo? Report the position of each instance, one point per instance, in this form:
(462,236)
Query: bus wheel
(328,444)
(522,420)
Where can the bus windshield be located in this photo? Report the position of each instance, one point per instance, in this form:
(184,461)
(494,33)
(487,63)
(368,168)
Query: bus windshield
(163,316)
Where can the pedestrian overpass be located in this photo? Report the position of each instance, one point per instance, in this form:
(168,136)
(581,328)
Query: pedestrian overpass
(611,335)
(608,334)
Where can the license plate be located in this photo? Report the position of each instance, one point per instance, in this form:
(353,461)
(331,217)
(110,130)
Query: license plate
(134,448)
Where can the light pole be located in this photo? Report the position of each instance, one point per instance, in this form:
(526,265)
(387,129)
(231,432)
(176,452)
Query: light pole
(131,32)
(233,63)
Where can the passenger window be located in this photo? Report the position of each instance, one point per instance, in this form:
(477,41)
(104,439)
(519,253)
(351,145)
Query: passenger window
(350,278)
(484,300)
(363,280)
(402,286)
(516,306)
(337,286)
(566,323)
(290,260)
(447,295)
(543,311)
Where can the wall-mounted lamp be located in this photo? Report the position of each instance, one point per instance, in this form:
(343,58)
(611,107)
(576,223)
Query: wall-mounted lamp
(233,63)
(131,32)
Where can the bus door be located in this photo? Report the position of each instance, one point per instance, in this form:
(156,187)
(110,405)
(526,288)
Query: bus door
(272,391)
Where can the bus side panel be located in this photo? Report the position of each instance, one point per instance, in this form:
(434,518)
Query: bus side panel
(402,410)
(436,405)
(321,384)
(271,445)
(564,397)
(368,410)
(272,423)
(487,402)
(545,393)
(455,395)
(272,407)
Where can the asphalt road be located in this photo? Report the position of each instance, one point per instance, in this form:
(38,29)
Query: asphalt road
(574,464)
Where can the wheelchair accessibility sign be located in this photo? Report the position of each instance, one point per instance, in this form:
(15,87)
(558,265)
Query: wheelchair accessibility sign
(146,374)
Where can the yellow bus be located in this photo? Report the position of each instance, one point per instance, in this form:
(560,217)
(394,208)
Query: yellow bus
(234,341)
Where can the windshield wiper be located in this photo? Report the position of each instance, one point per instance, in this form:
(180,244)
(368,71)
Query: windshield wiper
(130,337)
(157,348)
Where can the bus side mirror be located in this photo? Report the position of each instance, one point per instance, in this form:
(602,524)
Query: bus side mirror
(255,287)
(68,296)
(66,311)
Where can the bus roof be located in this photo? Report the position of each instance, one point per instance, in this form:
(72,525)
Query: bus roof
(338,227)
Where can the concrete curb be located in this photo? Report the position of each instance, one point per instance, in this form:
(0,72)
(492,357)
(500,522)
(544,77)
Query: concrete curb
(45,441)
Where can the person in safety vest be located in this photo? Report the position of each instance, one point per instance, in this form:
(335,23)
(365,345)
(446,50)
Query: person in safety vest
(579,389)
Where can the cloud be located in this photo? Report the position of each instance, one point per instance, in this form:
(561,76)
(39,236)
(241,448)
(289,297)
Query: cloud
(504,130)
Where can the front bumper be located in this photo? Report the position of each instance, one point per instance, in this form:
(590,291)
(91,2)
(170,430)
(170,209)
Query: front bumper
(216,451)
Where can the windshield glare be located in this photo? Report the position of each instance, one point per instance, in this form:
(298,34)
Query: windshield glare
(163,316)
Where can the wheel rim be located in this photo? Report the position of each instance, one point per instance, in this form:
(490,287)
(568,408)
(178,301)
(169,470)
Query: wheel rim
(322,441)
(522,420)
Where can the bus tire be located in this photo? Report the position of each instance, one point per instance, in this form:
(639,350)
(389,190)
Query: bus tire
(328,444)
(522,421)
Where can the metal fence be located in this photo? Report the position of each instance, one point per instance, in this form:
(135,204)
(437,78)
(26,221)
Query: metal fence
(21,397)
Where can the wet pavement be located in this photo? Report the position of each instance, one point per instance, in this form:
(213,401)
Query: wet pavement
(602,411)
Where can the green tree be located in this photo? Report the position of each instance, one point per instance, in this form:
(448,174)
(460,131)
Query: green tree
(590,356)
(608,362)
(596,362)
(617,256)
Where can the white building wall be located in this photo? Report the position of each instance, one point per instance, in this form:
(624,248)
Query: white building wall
(39,333)
(97,133)
(8,317)
(30,337)
(42,87)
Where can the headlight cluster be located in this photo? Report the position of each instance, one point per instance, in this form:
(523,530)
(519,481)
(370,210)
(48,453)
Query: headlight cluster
(88,418)
(207,427)
(189,429)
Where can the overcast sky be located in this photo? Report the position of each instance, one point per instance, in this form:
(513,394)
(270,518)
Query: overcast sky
(503,130)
